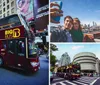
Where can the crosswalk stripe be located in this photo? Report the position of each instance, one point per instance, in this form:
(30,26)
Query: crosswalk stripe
(70,82)
(80,83)
(87,79)
(58,79)
(94,81)
(83,81)
(62,83)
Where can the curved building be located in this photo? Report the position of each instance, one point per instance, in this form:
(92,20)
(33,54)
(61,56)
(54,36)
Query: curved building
(87,61)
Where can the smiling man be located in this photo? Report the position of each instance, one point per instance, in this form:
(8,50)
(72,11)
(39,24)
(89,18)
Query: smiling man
(62,34)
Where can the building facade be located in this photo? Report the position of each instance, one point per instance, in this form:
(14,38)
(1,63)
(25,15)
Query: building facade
(7,7)
(64,60)
(88,61)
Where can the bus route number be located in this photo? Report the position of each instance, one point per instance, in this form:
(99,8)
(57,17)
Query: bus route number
(12,33)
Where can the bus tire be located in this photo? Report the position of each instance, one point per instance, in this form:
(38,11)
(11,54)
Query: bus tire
(1,62)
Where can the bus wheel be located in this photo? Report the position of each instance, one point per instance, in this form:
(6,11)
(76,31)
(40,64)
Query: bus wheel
(1,62)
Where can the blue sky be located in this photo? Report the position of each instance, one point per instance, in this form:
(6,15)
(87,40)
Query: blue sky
(86,10)
(73,49)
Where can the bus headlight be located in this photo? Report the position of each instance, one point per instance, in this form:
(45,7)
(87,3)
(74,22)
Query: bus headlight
(34,64)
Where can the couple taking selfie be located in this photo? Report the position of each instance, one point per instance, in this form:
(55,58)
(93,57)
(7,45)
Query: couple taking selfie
(70,32)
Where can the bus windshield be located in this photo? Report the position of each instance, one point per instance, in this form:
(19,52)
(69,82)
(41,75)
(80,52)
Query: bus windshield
(33,48)
(10,21)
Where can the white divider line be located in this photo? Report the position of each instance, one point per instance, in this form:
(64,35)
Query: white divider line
(94,81)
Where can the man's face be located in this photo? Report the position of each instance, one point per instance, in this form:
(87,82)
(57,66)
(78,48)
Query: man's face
(68,23)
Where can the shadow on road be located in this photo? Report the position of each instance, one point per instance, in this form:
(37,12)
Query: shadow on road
(21,72)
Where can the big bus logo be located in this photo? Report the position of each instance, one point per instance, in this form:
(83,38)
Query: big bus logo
(12,33)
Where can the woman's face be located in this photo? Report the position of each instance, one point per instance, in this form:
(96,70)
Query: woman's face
(76,25)
(20,4)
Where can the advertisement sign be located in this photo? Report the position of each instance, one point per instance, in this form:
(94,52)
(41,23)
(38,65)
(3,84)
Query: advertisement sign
(41,13)
(25,8)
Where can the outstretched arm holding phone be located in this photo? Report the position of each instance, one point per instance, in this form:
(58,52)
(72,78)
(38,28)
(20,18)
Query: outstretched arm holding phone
(54,12)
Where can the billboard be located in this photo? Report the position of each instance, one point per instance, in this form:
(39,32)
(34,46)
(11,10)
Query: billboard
(25,8)
(34,10)
(41,13)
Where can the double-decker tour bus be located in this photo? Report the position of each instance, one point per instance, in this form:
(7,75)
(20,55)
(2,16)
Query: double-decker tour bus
(69,72)
(17,46)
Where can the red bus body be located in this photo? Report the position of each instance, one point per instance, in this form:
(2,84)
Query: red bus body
(68,72)
(14,49)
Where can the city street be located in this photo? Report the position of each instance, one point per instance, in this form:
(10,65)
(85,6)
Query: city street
(80,81)
(10,76)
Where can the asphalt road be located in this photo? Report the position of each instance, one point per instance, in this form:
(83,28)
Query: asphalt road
(81,81)
(10,76)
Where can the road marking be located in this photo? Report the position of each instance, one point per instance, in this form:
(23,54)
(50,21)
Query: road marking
(62,83)
(58,79)
(70,82)
(80,83)
(94,81)
(83,81)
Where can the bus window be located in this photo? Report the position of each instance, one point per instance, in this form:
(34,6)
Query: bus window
(10,21)
(32,49)
(20,45)
(11,46)
(3,46)
(15,20)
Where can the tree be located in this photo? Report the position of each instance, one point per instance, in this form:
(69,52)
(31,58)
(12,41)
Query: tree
(53,48)
(53,57)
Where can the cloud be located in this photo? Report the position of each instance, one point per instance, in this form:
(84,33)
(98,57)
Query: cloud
(97,11)
(77,47)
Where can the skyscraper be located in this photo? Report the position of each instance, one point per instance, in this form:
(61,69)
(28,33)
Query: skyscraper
(65,59)
(7,7)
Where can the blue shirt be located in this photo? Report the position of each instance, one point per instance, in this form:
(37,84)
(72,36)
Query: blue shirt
(60,35)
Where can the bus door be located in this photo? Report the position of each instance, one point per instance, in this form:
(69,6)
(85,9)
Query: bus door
(11,56)
(21,52)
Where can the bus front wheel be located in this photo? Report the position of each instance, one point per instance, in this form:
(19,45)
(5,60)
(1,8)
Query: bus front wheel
(1,62)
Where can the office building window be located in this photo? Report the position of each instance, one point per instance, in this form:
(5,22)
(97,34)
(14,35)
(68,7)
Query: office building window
(12,3)
(0,6)
(12,10)
(4,9)
(7,1)
(7,6)
(0,17)
(0,11)
(7,13)
(4,4)
(0,1)
(3,15)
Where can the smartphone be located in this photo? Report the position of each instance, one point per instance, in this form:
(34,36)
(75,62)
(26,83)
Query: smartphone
(60,7)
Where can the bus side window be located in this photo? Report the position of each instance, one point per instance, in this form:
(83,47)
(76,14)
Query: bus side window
(11,46)
(21,48)
(3,46)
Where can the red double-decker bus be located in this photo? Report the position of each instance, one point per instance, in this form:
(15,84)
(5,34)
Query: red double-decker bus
(17,46)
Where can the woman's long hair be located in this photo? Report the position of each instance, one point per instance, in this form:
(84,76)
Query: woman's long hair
(77,20)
